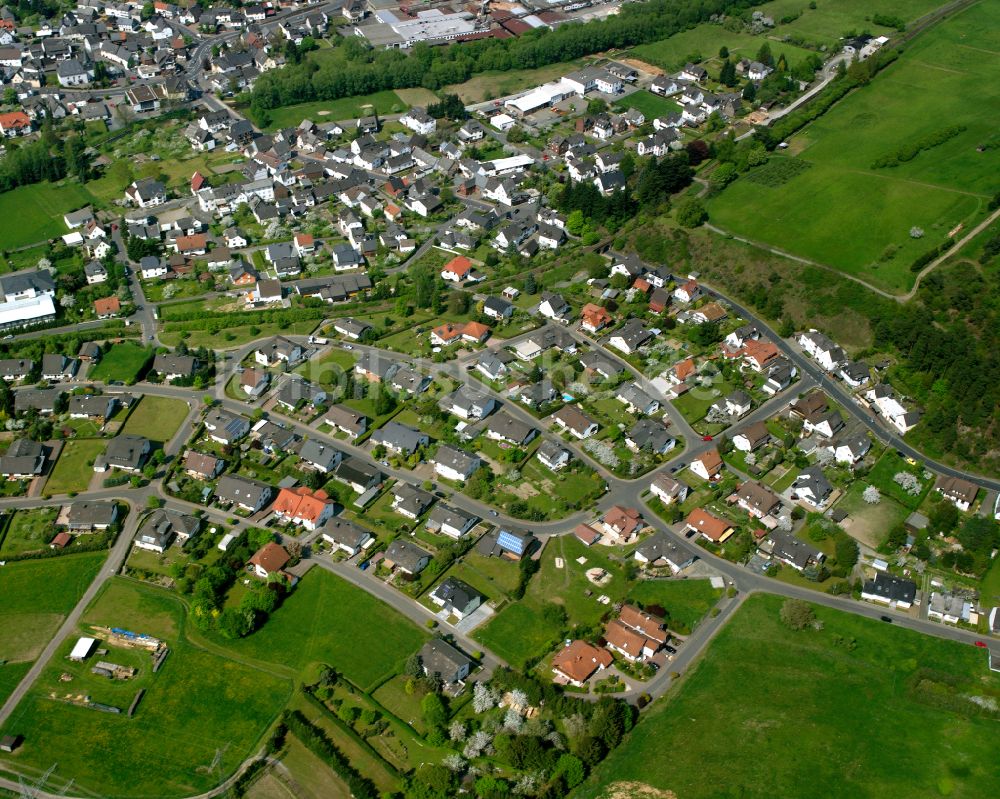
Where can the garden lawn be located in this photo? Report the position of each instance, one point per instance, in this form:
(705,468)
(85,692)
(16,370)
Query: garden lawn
(328,621)
(381,103)
(651,105)
(869,524)
(121,362)
(156,418)
(883,472)
(843,212)
(694,404)
(686,601)
(870,733)
(29,531)
(75,467)
(329,370)
(29,214)
(200,706)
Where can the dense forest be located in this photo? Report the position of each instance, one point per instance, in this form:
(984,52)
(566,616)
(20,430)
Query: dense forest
(370,70)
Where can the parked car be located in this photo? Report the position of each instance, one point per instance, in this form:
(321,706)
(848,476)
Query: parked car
(886,619)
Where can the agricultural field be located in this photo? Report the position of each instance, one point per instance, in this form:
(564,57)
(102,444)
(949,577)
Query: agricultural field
(74,469)
(156,418)
(301,775)
(202,713)
(878,699)
(29,214)
(37,596)
(121,363)
(327,620)
(846,212)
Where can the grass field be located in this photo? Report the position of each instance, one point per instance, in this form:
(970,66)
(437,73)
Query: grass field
(704,42)
(199,705)
(307,777)
(382,103)
(37,595)
(232,336)
(29,531)
(826,23)
(488,85)
(29,214)
(524,630)
(156,418)
(869,524)
(847,214)
(687,601)
(74,469)
(121,362)
(329,621)
(818,713)
(650,104)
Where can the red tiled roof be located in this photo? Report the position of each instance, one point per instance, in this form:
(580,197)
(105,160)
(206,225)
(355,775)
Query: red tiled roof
(579,660)
(271,557)
(107,305)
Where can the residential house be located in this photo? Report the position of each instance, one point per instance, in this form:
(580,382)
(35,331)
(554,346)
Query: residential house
(319,456)
(347,420)
(454,464)
(250,495)
(752,437)
(504,427)
(961,493)
(124,452)
(650,435)
(25,459)
(578,661)
(269,561)
(630,336)
(162,527)
(787,548)
(886,589)
(410,501)
(201,466)
(553,306)
(84,516)
(346,536)
(303,507)
(456,598)
(660,550)
(708,465)
(450,521)
(357,474)
(668,490)
(440,660)
(467,403)
(757,500)
(400,438)
(714,528)
(812,487)
(406,557)
(571,418)
(622,523)
(552,455)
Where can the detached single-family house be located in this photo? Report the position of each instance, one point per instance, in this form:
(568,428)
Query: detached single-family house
(571,418)
(406,557)
(456,598)
(886,589)
(578,661)
(707,524)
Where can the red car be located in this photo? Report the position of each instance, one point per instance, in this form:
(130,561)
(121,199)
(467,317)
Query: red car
(706,438)
(981,644)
